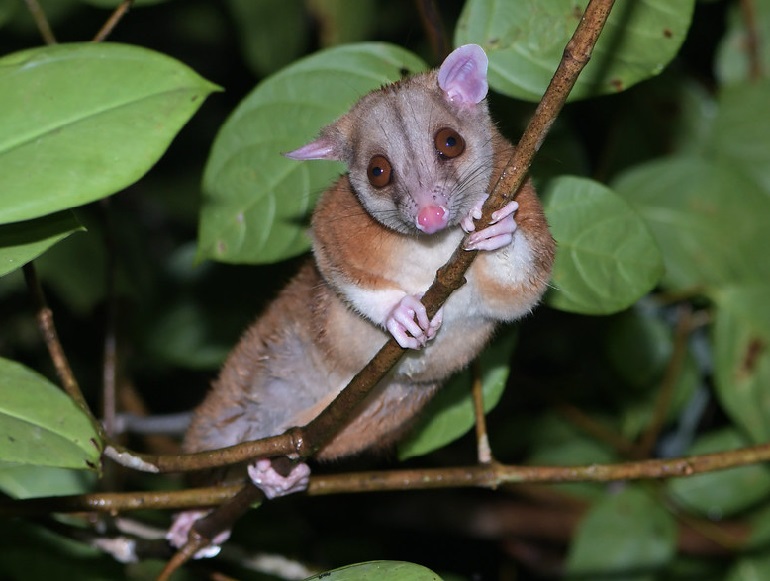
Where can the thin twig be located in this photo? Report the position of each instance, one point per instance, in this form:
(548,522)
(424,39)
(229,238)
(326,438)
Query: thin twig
(749,14)
(45,322)
(434,28)
(38,15)
(113,20)
(484,452)
(668,384)
(110,357)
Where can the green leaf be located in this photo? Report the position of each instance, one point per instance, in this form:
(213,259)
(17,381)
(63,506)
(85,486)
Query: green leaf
(726,492)
(732,59)
(751,568)
(256,202)
(181,336)
(7,10)
(558,442)
(378,570)
(707,237)
(754,564)
(27,481)
(450,414)
(31,552)
(116,3)
(41,425)
(741,136)
(742,357)
(525,40)
(273,33)
(624,536)
(21,242)
(639,346)
(606,258)
(79,122)
(341,21)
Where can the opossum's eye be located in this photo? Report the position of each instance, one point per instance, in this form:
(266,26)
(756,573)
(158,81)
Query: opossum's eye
(379,172)
(449,144)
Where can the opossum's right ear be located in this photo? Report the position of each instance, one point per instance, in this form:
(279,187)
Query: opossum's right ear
(463,75)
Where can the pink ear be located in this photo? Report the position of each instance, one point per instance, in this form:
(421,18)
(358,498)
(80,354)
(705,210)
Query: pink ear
(463,75)
(321,148)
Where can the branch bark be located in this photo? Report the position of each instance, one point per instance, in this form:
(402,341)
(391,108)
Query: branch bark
(491,476)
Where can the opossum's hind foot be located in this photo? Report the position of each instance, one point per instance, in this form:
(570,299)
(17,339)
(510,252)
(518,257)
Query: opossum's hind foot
(178,534)
(273,484)
(265,477)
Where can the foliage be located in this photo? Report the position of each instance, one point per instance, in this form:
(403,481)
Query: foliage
(653,340)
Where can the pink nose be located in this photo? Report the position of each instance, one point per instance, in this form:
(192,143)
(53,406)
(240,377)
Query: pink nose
(432,219)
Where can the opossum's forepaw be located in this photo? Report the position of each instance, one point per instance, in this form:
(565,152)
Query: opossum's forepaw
(498,234)
(409,324)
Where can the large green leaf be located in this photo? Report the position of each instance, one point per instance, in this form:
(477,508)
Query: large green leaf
(7,10)
(628,535)
(79,122)
(525,40)
(256,202)
(21,242)
(708,237)
(639,344)
(450,414)
(342,21)
(41,425)
(28,481)
(272,32)
(378,570)
(741,132)
(742,356)
(754,564)
(726,492)
(556,441)
(732,59)
(751,568)
(116,3)
(605,256)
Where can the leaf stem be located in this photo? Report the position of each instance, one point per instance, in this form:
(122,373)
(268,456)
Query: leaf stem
(113,20)
(484,452)
(38,15)
(47,328)
(668,383)
(434,28)
(749,14)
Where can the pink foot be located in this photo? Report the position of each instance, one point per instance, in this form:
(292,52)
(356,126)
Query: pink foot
(265,477)
(274,485)
(498,234)
(180,529)
(409,324)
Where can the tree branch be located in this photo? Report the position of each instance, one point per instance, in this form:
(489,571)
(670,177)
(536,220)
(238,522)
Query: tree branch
(490,476)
